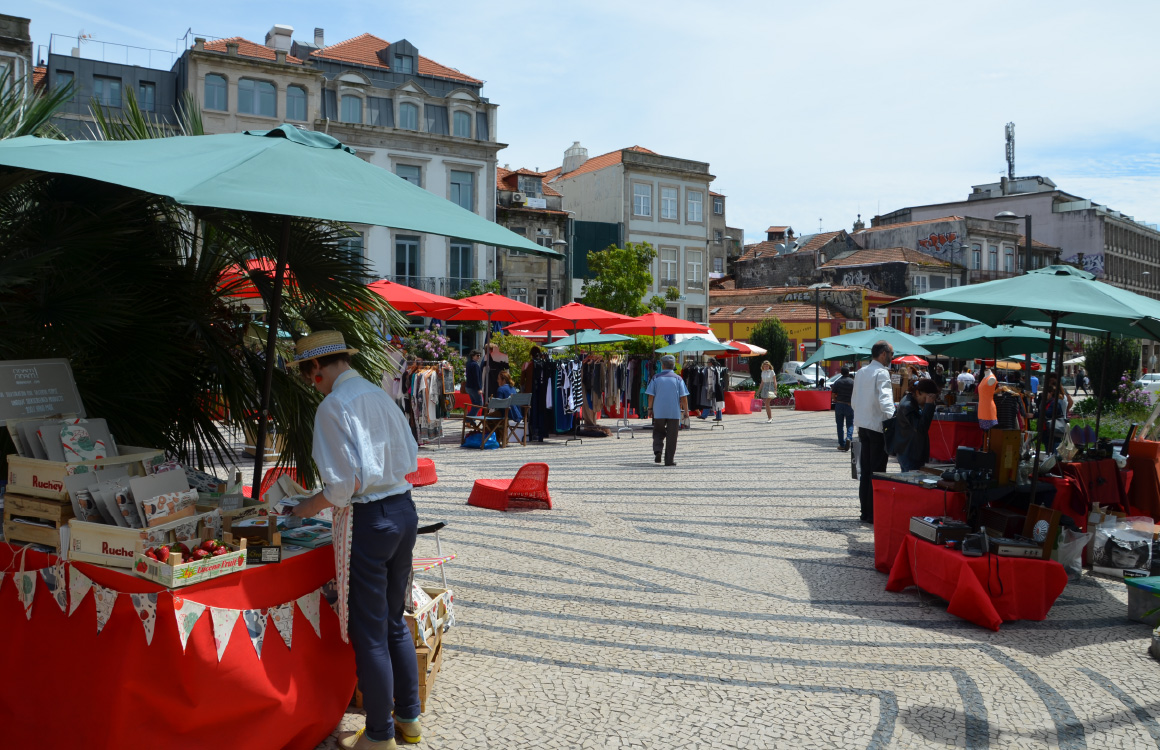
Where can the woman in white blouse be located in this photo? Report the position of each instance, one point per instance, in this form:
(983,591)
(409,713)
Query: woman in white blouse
(768,388)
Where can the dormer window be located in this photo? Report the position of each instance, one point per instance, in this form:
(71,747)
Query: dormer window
(404,64)
(532,186)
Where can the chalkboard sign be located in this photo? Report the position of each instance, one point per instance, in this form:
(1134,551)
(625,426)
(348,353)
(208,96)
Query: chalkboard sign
(32,388)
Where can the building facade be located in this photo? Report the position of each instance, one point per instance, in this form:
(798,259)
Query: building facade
(725,242)
(15,52)
(528,207)
(781,260)
(661,200)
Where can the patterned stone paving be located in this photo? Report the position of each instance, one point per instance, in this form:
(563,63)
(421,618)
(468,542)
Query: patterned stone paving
(731,602)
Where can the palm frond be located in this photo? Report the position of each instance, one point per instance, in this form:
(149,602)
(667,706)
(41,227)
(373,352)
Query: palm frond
(24,111)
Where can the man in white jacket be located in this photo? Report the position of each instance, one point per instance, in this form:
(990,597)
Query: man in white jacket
(873,402)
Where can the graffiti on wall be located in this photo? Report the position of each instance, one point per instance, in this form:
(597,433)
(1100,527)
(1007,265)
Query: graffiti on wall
(1093,263)
(859,278)
(941,245)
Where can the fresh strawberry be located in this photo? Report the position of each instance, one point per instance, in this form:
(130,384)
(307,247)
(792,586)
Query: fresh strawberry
(151,554)
(209,544)
(221,551)
(142,566)
(184,550)
(163,553)
(200,554)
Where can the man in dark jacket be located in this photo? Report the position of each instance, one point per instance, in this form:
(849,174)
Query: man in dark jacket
(913,418)
(841,391)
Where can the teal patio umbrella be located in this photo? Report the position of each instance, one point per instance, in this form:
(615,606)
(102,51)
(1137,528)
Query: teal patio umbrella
(951,317)
(285,172)
(988,341)
(830,351)
(696,344)
(587,338)
(903,343)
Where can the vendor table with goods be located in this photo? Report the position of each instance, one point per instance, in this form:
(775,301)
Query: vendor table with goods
(251,659)
(946,435)
(987,590)
(811,400)
(895,502)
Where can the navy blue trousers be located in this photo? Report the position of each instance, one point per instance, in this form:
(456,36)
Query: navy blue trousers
(383,541)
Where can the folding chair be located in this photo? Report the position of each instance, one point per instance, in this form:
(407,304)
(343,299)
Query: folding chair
(421,564)
(488,423)
(520,426)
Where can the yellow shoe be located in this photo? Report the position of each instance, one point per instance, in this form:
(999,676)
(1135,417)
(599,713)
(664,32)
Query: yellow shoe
(410,731)
(359,741)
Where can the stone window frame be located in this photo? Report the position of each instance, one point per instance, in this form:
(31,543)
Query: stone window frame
(411,161)
(689,268)
(305,101)
(640,216)
(469,113)
(662,263)
(476,182)
(224,78)
(661,188)
(396,235)
(689,191)
(407,98)
(238,98)
(353,93)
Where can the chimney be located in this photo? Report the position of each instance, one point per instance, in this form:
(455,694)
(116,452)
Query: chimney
(280,56)
(232,49)
(279,37)
(319,38)
(199,43)
(574,157)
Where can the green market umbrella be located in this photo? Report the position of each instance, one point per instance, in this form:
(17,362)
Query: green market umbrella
(285,172)
(695,344)
(950,317)
(903,343)
(590,338)
(829,351)
(989,341)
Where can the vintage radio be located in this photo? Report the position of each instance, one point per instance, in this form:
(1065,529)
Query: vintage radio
(938,530)
(1002,522)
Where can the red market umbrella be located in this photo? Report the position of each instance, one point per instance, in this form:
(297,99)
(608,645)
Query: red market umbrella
(406,299)
(238,282)
(909,359)
(654,324)
(525,330)
(582,318)
(745,350)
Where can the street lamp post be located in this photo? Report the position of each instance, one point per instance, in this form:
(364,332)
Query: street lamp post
(566,292)
(817,315)
(1009,216)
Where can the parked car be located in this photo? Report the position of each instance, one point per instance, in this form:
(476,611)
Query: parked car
(1150,382)
(793,372)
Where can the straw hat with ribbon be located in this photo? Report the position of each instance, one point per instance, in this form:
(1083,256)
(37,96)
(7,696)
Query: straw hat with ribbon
(321,344)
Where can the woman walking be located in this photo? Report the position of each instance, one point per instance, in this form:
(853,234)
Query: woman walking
(768,389)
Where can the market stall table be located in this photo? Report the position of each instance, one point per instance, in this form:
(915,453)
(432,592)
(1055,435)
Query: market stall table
(895,503)
(66,685)
(987,590)
(1144,491)
(947,435)
(739,402)
(810,400)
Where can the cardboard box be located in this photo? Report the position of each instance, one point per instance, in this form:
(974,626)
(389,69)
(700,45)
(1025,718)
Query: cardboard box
(187,573)
(40,478)
(105,544)
(263,543)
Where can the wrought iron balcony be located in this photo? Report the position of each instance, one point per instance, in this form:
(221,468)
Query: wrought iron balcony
(442,285)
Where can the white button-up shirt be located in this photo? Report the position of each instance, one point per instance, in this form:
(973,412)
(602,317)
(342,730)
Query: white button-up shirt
(362,445)
(873,399)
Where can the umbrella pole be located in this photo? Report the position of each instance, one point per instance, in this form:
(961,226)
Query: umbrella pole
(1103,374)
(271,357)
(1039,428)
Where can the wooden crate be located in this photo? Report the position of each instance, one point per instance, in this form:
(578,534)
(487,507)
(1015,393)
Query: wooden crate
(56,512)
(425,622)
(39,478)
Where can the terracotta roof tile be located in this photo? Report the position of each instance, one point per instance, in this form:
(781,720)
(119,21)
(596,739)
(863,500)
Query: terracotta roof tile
(598,162)
(774,291)
(779,310)
(39,73)
(364,48)
(508,179)
(886,255)
(767,248)
(910,224)
(726,283)
(716,195)
(777,229)
(1035,243)
(246,48)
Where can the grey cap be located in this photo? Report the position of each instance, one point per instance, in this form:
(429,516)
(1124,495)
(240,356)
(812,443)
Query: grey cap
(669,360)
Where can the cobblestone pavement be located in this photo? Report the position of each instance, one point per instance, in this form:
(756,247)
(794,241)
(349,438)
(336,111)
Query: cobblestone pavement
(731,602)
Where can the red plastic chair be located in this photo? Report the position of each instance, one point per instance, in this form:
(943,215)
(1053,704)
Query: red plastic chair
(530,484)
(424,475)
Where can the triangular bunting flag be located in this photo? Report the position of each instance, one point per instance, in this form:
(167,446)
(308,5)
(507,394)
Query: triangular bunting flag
(105,599)
(255,620)
(308,603)
(187,614)
(1,580)
(283,617)
(78,585)
(146,606)
(54,579)
(26,589)
(223,627)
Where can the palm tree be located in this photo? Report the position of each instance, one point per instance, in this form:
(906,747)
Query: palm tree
(129,287)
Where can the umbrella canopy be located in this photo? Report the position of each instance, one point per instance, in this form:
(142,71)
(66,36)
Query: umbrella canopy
(951,317)
(587,338)
(1081,359)
(263,171)
(490,306)
(1067,296)
(238,282)
(409,300)
(655,324)
(744,349)
(524,331)
(829,351)
(909,359)
(581,318)
(1011,364)
(696,344)
(903,343)
(983,340)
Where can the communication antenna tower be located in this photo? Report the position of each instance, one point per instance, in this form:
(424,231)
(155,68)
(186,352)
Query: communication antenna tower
(1010,130)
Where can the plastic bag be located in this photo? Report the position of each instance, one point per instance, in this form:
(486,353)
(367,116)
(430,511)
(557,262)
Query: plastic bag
(1123,545)
(1069,552)
(473,439)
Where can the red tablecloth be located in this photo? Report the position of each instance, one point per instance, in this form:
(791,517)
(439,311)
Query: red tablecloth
(988,590)
(65,685)
(946,437)
(1064,490)
(1144,491)
(462,400)
(894,505)
(739,402)
(804,400)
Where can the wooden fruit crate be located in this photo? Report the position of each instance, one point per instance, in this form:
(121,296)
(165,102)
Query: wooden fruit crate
(426,622)
(56,512)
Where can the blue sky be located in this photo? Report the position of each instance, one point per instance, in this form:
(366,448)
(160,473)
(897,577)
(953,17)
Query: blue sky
(807,113)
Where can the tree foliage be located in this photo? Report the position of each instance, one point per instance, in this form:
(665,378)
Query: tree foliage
(620,279)
(1107,361)
(769,334)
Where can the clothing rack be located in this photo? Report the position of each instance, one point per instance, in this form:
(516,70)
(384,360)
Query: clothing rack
(448,401)
(575,422)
